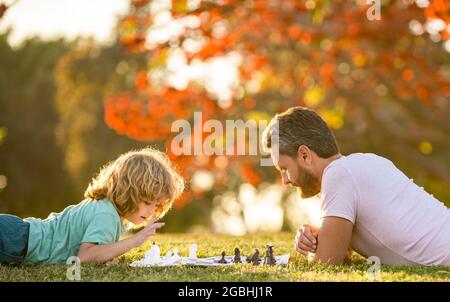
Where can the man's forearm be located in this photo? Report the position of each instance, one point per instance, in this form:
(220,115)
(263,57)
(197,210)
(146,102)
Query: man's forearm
(333,240)
(348,257)
(322,258)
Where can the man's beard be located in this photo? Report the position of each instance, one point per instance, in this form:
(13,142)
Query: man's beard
(307,184)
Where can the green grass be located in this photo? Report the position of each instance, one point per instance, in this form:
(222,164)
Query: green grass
(212,245)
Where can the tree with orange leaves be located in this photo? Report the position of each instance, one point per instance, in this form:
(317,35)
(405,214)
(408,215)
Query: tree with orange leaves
(382,85)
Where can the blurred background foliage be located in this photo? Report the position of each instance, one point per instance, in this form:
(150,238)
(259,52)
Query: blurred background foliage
(382,86)
(33,179)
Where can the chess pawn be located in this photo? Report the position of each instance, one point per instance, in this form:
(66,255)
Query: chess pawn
(167,259)
(175,256)
(237,256)
(249,259)
(223,260)
(156,253)
(193,251)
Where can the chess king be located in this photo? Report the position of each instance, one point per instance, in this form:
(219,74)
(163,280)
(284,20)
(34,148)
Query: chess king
(368,205)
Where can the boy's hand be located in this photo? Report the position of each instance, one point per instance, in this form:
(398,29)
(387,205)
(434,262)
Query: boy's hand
(142,236)
(306,240)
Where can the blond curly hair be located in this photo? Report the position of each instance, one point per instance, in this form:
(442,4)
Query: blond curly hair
(145,175)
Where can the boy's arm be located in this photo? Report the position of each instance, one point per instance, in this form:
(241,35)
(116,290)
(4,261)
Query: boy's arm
(101,253)
(333,240)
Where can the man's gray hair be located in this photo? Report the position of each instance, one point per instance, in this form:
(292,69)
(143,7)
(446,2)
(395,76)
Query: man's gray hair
(300,126)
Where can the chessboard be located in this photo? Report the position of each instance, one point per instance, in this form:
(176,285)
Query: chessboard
(211,261)
(153,259)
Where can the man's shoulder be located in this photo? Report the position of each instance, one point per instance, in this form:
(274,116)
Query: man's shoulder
(360,156)
(338,170)
(358,160)
(362,171)
(354,166)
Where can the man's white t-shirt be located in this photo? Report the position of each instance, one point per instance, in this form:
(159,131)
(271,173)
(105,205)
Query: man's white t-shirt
(393,218)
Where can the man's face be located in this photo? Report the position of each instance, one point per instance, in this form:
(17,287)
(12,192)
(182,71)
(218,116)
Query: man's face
(297,172)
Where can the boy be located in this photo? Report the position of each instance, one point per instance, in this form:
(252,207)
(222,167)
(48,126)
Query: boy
(139,186)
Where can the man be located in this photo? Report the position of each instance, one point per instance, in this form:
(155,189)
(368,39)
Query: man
(368,205)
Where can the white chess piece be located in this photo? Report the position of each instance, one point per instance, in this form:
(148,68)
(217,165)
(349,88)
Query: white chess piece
(157,254)
(168,256)
(148,256)
(175,256)
(193,251)
(153,255)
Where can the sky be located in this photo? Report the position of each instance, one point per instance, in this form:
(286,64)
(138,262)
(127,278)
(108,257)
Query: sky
(67,18)
(50,19)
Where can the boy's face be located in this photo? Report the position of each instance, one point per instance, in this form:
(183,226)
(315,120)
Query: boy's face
(143,213)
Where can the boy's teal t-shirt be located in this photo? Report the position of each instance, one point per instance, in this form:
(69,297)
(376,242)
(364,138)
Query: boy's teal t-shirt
(59,236)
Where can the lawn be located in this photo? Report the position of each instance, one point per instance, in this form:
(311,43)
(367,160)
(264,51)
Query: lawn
(212,245)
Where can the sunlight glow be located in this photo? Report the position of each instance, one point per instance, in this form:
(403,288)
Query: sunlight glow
(220,75)
(262,210)
(202,181)
(302,211)
(49,19)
